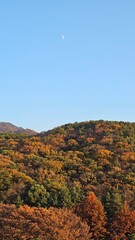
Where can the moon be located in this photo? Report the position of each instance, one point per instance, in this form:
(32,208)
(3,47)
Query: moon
(63,37)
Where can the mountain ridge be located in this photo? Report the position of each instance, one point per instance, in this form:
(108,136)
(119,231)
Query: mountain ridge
(7,127)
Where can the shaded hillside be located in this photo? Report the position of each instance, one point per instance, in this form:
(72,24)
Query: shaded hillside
(6,127)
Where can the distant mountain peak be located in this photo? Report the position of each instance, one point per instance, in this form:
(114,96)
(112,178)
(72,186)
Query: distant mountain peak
(6,127)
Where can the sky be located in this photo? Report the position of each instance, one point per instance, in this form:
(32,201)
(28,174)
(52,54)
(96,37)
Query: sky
(66,61)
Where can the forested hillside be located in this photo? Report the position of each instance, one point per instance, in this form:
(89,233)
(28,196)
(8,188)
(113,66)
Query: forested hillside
(85,170)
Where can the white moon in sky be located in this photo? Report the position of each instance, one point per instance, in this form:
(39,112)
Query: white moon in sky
(63,37)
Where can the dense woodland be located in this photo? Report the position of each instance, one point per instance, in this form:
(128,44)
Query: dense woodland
(76,181)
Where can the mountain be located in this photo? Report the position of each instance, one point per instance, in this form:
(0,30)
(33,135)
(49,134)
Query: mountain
(88,167)
(6,127)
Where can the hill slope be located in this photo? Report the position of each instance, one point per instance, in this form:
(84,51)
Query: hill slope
(6,127)
(59,168)
(94,155)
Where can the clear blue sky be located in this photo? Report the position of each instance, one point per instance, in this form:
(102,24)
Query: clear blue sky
(47,81)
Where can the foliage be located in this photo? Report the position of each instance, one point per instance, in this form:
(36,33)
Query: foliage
(39,223)
(91,210)
(59,168)
(123,224)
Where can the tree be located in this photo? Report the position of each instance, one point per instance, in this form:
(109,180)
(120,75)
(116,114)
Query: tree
(112,202)
(39,223)
(59,194)
(37,196)
(92,211)
(123,224)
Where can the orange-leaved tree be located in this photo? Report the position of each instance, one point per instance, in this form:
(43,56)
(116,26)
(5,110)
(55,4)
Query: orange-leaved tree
(123,224)
(40,223)
(92,211)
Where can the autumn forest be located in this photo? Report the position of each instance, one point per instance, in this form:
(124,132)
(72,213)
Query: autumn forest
(76,181)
